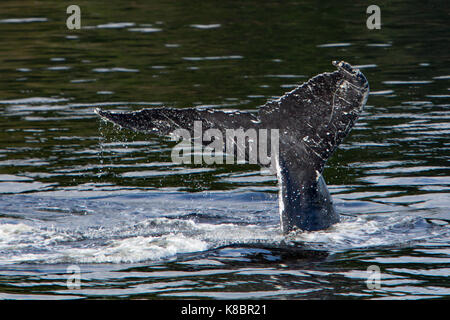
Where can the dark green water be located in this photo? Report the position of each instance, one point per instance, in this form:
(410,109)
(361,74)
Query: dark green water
(76,191)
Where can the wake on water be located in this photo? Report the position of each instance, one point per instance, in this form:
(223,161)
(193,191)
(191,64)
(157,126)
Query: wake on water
(138,228)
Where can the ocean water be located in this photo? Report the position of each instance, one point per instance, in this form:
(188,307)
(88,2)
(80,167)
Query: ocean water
(77,193)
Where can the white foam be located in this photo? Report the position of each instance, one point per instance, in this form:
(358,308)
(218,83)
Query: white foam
(362,232)
(137,249)
(18,240)
(17,236)
(160,238)
(8,230)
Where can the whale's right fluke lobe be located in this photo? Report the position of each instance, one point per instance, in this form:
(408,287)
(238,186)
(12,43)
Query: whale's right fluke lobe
(316,116)
(313,120)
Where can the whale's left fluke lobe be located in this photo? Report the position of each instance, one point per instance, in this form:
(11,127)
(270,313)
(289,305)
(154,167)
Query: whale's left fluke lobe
(312,120)
(163,121)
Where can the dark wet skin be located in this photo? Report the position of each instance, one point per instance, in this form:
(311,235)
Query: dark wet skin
(312,120)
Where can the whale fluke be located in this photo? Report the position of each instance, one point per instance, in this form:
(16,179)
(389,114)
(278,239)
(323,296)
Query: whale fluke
(163,121)
(312,120)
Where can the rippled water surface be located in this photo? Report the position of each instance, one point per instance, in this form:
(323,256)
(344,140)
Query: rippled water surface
(75,191)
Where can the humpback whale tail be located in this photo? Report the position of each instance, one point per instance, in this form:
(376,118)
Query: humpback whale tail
(312,120)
